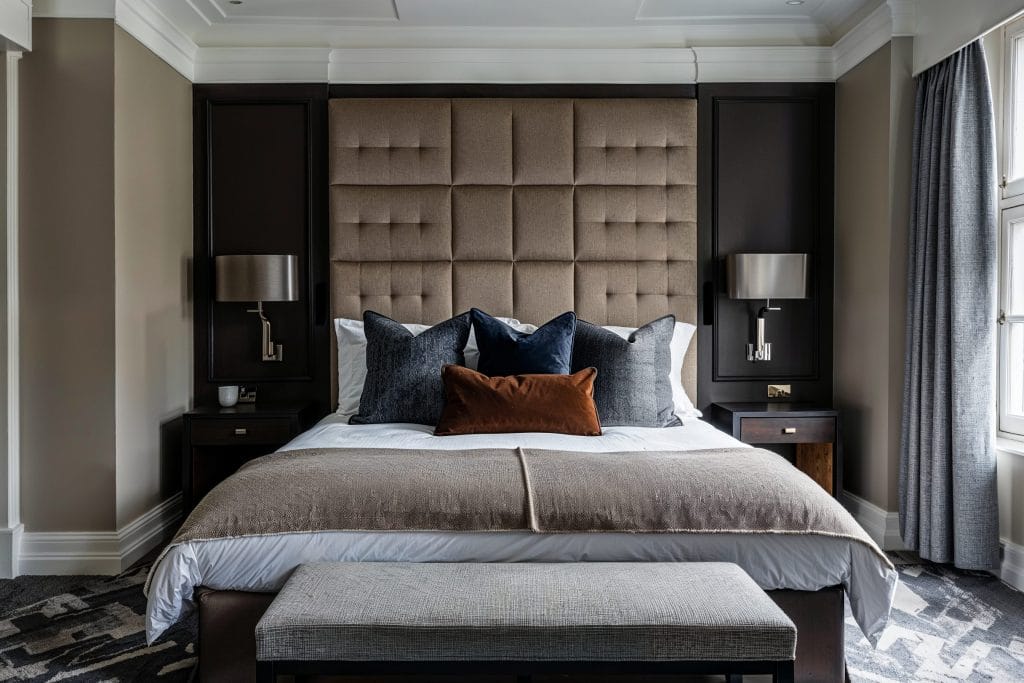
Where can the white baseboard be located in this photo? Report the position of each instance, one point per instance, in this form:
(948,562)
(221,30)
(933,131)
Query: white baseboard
(98,552)
(10,550)
(882,526)
(1011,568)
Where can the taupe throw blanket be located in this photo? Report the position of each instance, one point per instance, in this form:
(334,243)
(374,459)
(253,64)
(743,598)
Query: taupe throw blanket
(742,490)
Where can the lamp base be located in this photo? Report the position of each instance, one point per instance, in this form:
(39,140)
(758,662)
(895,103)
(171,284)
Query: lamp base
(756,353)
(278,354)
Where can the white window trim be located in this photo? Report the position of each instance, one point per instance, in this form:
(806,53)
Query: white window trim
(1012,188)
(1011,426)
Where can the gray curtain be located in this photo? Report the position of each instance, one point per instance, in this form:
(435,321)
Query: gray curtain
(948,510)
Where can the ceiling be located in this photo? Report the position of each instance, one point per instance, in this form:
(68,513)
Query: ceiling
(489,23)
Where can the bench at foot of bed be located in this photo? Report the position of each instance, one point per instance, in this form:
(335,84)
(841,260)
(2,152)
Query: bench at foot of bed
(524,619)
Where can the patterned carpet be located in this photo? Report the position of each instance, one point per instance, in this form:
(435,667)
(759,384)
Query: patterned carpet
(86,628)
(946,626)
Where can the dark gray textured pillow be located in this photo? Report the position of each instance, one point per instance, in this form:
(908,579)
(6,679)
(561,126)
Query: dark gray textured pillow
(627,370)
(403,371)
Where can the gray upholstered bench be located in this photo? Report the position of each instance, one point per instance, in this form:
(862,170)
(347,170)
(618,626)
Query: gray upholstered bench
(395,618)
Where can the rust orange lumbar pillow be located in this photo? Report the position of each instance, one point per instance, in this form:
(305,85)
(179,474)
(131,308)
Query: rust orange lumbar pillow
(478,404)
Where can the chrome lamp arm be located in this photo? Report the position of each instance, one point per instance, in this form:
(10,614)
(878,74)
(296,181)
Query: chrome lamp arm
(270,351)
(762,350)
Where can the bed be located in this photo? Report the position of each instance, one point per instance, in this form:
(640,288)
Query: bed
(262,564)
(526,208)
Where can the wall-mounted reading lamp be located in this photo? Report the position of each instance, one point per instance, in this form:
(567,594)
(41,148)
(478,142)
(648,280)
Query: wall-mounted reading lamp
(259,278)
(766,276)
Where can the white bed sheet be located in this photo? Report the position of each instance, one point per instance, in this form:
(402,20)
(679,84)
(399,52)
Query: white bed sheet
(265,563)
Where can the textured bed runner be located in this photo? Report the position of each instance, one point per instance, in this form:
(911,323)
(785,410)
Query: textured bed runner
(743,490)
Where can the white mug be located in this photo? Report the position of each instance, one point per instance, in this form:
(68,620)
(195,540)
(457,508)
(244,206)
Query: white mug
(227,395)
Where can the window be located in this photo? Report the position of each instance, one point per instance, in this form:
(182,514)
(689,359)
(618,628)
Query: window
(1013,122)
(1011,267)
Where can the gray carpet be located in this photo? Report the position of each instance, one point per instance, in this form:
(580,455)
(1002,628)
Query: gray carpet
(946,626)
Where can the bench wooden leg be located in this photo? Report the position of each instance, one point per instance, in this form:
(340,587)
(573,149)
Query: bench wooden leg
(265,672)
(784,672)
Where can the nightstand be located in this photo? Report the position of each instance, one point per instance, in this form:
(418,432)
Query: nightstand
(812,429)
(217,441)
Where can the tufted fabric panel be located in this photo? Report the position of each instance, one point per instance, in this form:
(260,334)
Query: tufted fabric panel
(522,207)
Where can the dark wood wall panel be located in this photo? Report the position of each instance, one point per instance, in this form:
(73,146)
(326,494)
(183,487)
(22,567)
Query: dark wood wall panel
(765,185)
(261,188)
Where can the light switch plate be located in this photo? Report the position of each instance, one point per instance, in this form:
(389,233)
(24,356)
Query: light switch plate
(780,391)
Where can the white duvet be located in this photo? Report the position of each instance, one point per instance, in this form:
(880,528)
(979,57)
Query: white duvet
(263,564)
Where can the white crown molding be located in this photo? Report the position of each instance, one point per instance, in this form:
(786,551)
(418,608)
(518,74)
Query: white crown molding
(863,39)
(16,24)
(881,525)
(483,65)
(904,16)
(151,28)
(368,59)
(741,64)
(140,18)
(262,65)
(98,552)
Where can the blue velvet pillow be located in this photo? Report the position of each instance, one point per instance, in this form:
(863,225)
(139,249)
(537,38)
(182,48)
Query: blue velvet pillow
(506,351)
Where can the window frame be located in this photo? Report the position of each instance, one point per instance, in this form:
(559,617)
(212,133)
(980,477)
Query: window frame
(1011,210)
(1011,188)
(1010,425)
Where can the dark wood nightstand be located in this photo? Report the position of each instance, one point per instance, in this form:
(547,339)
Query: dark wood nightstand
(812,429)
(218,440)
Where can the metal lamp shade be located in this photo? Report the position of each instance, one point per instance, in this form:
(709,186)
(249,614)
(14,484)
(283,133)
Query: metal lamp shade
(257,277)
(767,276)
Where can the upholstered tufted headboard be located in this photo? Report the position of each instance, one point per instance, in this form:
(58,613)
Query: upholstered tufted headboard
(521,207)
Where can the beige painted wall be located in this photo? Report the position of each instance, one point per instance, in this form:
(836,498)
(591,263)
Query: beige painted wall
(67,276)
(106,232)
(152,246)
(862,277)
(902,93)
(874,106)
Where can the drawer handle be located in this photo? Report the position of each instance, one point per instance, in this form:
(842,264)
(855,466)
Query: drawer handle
(789,430)
(241,431)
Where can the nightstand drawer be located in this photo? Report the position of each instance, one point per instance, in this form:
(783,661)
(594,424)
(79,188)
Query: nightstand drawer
(241,431)
(757,430)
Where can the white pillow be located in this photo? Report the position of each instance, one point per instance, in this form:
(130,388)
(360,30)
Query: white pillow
(352,358)
(681,337)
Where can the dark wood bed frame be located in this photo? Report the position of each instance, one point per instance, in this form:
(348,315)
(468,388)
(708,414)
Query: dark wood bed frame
(227,642)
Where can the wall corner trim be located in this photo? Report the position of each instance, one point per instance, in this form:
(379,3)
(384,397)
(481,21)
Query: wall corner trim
(874,31)
(10,550)
(882,526)
(1011,565)
(99,552)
